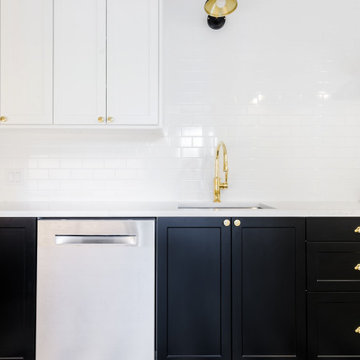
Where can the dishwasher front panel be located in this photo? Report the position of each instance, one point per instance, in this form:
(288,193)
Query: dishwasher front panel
(95,290)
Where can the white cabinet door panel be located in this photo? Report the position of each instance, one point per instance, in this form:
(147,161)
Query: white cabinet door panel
(132,61)
(79,61)
(26,61)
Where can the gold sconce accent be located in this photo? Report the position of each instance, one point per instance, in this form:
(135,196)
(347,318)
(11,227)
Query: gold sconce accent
(357,330)
(218,185)
(217,10)
(3,119)
(357,267)
(357,230)
(100,119)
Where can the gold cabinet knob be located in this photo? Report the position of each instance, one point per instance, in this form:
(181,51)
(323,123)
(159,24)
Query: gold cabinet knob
(227,222)
(357,230)
(100,119)
(3,119)
(357,330)
(237,222)
(357,267)
(110,119)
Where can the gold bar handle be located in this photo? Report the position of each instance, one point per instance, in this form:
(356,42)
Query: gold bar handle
(357,230)
(3,119)
(357,330)
(357,267)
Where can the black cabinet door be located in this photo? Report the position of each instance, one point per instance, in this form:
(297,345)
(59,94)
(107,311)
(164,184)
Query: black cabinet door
(269,305)
(193,289)
(334,325)
(17,286)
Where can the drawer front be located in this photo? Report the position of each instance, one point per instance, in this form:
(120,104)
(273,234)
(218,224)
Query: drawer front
(333,229)
(333,319)
(333,266)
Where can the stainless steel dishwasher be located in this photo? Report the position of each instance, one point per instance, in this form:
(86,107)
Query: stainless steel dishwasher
(95,290)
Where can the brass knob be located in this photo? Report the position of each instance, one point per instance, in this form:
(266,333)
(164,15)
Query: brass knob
(357,230)
(227,222)
(110,119)
(3,119)
(237,222)
(357,330)
(100,119)
(357,267)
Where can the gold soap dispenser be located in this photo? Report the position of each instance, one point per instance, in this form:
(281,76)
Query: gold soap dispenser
(218,185)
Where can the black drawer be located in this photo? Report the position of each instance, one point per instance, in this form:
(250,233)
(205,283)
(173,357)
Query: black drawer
(333,229)
(333,266)
(333,319)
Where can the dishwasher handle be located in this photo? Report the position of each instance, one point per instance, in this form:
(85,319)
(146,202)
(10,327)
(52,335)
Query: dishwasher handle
(126,240)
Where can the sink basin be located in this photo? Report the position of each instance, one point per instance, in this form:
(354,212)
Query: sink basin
(220,206)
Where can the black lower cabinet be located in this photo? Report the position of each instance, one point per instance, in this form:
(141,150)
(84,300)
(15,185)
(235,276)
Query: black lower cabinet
(193,289)
(269,301)
(334,325)
(231,292)
(17,286)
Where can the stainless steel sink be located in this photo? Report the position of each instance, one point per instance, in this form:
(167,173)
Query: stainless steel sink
(220,206)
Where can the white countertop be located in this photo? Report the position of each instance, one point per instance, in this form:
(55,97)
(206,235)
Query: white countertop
(169,209)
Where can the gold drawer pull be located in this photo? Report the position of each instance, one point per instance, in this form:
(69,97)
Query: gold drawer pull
(357,230)
(100,119)
(357,267)
(110,119)
(357,330)
(3,119)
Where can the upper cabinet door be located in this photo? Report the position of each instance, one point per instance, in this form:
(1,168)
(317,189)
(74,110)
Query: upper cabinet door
(79,61)
(133,62)
(26,61)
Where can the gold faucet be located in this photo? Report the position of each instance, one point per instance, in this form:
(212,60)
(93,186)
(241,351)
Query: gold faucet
(218,185)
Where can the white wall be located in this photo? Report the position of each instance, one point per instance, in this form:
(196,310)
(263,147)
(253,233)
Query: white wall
(280,84)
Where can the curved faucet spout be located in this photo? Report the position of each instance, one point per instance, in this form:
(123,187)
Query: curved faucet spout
(218,185)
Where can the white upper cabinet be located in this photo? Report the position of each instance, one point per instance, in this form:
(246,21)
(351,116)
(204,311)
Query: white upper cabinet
(26,62)
(106,62)
(132,62)
(79,62)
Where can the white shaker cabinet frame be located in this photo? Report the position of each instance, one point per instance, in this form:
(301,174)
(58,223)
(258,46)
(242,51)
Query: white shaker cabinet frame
(80,64)
(26,38)
(106,63)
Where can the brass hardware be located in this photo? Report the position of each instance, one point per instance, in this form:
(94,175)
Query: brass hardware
(357,330)
(3,119)
(227,222)
(237,222)
(218,185)
(110,119)
(219,8)
(100,119)
(357,267)
(357,230)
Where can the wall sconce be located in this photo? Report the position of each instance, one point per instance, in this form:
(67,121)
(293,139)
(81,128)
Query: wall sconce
(217,10)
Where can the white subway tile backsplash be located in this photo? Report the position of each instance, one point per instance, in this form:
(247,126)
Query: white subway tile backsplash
(48,163)
(283,96)
(37,174)
(71,163)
